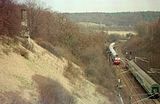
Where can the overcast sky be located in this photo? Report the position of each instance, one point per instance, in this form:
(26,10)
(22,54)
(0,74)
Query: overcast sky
(103,5)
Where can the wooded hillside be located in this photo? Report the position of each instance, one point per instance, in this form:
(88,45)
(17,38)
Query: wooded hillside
(146,44)
(114,19)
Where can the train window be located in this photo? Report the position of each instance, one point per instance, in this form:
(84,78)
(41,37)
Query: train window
(139,79)
(155,90)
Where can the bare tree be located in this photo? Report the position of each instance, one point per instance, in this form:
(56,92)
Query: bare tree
(34,11)
(10,18)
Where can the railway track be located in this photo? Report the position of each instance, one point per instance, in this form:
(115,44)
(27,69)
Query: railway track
(137,90)
(133,88)
(129,86)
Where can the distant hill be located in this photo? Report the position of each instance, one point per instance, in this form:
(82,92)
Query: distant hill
(114,19)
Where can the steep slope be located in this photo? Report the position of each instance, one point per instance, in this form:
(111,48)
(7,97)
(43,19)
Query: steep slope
(39,77)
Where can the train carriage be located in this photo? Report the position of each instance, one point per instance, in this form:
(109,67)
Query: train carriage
(152,88)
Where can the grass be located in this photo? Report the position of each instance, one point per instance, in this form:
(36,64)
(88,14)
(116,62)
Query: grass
(12,98)
(72,73)
(121,32)
(12,45)
(6,51)
(24,82)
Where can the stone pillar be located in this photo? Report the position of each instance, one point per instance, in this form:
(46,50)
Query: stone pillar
(25,34)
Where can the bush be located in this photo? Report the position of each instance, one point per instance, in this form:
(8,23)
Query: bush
(6,51)
(24,53)
(10,18)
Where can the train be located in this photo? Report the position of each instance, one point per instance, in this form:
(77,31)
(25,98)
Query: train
(113,54)
(151,87)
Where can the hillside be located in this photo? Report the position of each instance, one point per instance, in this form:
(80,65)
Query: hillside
(114,19)
(71,69)
(28,77)
(145,46)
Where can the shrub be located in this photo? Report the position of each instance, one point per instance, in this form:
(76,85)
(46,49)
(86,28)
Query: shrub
(10,18)
(22,51)
(6,51)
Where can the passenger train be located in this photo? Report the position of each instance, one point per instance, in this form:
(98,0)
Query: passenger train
(151,87)
(113,54)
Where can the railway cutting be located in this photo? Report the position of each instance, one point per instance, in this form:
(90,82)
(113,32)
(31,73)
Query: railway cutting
(134,85)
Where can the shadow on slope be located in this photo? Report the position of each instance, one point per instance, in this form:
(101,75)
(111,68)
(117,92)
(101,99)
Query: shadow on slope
(51,92)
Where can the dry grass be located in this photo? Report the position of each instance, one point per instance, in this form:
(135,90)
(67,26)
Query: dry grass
(6,51)
(12,98)
(11,45)
(72,73)
(121,32)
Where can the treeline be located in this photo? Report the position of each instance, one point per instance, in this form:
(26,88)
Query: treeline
(114,19)
(146,43)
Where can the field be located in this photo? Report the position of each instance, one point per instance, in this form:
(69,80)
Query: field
(121,32)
